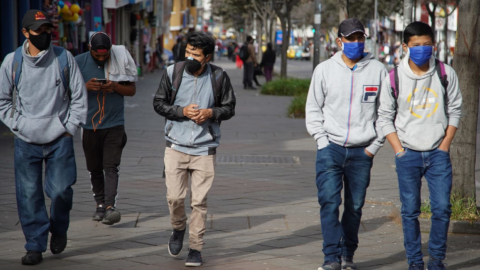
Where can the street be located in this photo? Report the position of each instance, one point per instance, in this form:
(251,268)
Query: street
(263,211)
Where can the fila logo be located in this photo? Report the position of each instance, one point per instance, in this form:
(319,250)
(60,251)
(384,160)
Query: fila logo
(39,16)
(370,93)
(58,82)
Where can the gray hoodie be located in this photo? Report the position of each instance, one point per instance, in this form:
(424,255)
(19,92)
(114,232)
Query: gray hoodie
(342,103)
(423,114)
(43,111)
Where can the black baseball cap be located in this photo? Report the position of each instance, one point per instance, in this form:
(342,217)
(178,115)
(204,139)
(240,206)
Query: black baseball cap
(100,42)
(350,26)
(34,18)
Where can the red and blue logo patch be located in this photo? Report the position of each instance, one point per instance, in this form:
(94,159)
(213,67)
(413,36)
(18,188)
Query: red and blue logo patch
(370,93)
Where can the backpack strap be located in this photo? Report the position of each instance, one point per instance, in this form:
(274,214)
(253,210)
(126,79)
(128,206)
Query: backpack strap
(440,69)
(177,77)
(64,68)
(394,81)
(217,82)
(16,72)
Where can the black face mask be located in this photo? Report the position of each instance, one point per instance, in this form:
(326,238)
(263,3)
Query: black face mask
(192,65)
(42,41)
(98,62)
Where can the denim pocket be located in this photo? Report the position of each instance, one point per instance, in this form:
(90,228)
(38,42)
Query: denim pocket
(402,154)
(365,153)
(443,151)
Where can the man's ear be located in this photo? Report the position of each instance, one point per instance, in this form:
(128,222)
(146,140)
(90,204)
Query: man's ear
(405,47)
(25,33)
(208,58)
(339,42)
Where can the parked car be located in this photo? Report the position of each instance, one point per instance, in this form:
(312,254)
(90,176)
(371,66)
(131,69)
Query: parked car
(298,53)
(291,52)
(306,54)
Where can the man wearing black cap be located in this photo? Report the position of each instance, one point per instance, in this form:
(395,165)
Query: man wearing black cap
(340,115)
(43,101)
(104,134)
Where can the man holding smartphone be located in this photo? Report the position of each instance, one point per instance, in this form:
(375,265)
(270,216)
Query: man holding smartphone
(104,134)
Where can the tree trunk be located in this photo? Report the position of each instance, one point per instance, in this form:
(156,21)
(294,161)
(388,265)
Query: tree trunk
(273,29)
(260,41)
(285,40)
(466,65)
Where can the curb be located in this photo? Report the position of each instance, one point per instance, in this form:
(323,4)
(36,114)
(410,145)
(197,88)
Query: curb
(456,226)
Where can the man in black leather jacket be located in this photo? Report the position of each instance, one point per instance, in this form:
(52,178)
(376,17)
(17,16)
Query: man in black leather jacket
(194,97)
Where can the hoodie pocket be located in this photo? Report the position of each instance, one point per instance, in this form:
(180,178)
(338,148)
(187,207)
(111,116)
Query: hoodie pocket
(168,128)
(41,130)
(212,133)
(423,137)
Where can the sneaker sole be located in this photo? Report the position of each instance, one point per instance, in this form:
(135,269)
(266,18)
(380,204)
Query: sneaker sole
(113,218)
(97,219)
(193,264)
(169,252)
(25,263)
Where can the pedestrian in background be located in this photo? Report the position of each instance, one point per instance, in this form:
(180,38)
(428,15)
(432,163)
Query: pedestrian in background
(249,65)
(43,101)
(268,62)
(178,50)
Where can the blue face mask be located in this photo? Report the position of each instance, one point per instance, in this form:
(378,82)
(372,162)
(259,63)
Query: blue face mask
(353,50)
(420,54)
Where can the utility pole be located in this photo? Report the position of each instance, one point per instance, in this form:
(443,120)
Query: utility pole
(316,34)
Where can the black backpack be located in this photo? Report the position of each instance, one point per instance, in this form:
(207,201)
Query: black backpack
(243,53)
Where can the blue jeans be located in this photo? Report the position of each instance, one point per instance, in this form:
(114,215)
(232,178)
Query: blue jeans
(60,175)
(337,166)
(435,165)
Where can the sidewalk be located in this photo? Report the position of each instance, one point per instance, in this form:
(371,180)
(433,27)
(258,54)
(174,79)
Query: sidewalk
(263,213)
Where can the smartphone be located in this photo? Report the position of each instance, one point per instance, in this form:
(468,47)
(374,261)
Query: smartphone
(102,81)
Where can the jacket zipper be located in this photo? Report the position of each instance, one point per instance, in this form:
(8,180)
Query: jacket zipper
(349,111)
(194,100)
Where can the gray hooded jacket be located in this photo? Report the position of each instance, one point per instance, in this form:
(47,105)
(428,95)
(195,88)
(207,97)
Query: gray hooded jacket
(342,103)
(423,111)
(43,111)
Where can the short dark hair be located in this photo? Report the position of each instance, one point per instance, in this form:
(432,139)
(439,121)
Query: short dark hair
(202,41)
(417,29)
(249,38)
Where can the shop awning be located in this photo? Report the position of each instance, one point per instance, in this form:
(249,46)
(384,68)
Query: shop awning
(115,3)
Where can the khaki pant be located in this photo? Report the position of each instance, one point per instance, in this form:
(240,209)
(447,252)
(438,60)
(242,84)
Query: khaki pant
(178,166)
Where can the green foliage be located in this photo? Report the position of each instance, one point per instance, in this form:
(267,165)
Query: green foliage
(462,208)
(297,107)
(290,87)
(286,87)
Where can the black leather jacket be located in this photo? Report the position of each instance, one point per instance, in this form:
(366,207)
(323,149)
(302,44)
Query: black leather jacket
(223,109)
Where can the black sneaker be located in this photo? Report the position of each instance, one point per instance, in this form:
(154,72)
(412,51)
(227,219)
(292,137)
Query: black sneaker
(99,213)
(175,243)
(330,266)
(194,258)
(32,257)
(58,243)
(416,267)
(434,264)
(112,216)
(347,263)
